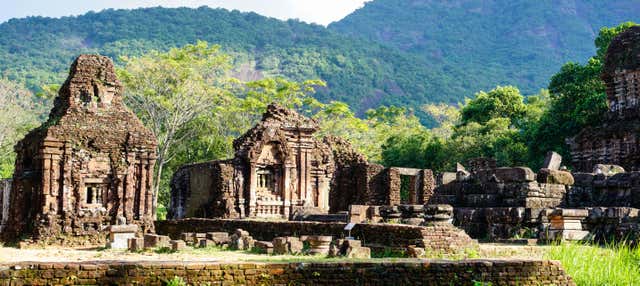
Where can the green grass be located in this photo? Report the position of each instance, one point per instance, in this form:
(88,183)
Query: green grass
(611,265)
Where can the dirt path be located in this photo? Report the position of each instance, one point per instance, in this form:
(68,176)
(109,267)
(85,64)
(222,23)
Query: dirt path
(53,254)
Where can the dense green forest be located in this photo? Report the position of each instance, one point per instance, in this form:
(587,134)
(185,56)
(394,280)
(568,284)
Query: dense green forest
(364,74)
(489,43)
(403,53)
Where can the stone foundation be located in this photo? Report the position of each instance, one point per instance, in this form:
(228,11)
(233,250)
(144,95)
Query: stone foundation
(601,190)
(438,272)
(441,238)
(500,203)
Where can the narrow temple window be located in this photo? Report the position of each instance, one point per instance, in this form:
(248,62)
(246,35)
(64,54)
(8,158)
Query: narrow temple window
(265,179)
(93,194)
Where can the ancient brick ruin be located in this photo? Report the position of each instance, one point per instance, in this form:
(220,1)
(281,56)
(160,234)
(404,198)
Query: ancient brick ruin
(281,168)
(89,166)
(616,140)
(492,202)
(5,190)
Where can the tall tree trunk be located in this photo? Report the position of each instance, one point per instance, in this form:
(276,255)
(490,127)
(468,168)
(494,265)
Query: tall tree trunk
(156,187)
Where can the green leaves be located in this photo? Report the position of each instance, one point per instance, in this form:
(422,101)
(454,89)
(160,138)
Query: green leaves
(578,100)
(502,101)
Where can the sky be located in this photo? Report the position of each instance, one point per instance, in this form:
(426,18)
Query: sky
(312,11)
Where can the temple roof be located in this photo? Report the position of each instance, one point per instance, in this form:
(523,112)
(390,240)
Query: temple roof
(89,111)
(623,52)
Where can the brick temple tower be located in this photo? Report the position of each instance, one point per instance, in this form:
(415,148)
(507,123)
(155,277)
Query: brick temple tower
(616,140)
(89,166)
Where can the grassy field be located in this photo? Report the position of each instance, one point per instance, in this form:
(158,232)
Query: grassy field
(609,265)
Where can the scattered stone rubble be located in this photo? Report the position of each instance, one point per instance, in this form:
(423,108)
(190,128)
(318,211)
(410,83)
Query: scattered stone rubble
(349,248)
(287,245)
(241,240)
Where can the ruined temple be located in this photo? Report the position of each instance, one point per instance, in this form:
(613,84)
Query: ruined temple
(615,140)
(280,168)
(88,166)
(278,165)
(499,202)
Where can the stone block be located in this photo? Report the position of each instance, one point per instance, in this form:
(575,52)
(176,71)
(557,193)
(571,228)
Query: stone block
(438,212)
(204,243)
(220,238)
(358,252)
(555,177)
(576,213)
(287,245)
(187,236)
(415,252)
(552,161)
(154,240)
(583,179)
(446,178)
(565,224)
(319,244)
(358,213)
(120,234)
(241,239)
(607,169)
(264,247)
(135,244)
(567,234)
(178,245)
(515,174)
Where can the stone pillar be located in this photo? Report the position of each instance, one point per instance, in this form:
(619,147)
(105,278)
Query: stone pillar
(287,192)
(148,190)
(45,183)
(67,186)
(140,197)
(130,187)
(55,182)
(253,185)
(303,178)
(323,193)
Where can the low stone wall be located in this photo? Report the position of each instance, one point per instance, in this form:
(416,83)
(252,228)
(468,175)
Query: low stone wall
(498,223)
(420,272)
(600,190)
(503,187)
(437,237)
(614,223)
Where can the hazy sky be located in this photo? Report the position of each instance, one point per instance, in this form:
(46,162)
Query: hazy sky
(316,11)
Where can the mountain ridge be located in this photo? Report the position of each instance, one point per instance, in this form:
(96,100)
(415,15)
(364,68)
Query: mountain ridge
(495,42)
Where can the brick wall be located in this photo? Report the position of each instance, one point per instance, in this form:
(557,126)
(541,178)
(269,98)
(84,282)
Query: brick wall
(444,238)
(415,272)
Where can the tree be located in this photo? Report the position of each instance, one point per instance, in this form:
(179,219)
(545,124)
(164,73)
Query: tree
(577,100)
(18,114)
(169,91)
(502,101)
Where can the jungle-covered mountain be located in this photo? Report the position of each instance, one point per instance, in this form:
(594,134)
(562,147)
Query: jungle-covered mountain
(390,52)
(38,50)
(491,42)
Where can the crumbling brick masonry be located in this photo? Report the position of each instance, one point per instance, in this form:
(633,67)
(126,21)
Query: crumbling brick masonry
(88,166)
